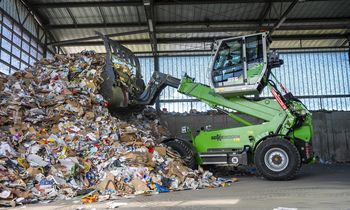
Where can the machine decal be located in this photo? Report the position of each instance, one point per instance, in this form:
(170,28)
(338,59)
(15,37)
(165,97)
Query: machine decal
(235,138)
(279,99)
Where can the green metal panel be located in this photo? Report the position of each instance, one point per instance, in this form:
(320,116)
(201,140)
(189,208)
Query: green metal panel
(305,131)
(265,109)
(233,137)
(277,120)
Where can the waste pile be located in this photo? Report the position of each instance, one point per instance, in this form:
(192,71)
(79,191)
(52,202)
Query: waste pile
(58,140)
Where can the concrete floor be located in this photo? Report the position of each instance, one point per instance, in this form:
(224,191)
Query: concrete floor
(317,187)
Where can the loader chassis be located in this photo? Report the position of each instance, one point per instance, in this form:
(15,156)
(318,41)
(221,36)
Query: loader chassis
(242,66)
(237,146)
(277,146)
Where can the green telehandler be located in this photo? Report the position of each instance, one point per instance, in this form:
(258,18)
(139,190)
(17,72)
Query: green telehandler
(241,67)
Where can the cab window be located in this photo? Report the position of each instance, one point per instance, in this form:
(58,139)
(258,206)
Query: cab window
(229,62)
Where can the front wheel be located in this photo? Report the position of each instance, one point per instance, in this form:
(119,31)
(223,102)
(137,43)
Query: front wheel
(277,159)
(184,151)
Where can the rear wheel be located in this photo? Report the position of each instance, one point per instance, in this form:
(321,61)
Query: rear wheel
(277,159)
(184,151)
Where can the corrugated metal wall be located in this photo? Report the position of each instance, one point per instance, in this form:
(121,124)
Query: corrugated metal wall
(194,66)
(320,78)
(147,68)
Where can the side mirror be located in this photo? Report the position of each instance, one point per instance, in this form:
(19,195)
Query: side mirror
(273,60)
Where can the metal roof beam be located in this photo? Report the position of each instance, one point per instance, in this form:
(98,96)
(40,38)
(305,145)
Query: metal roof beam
(72,16)
(170,29)
(88,4)
(211,39)
(140,3)
(266,11)
(209,51)
(250,28)
(199,23)
(149,11)
(148,6)
(37,15)
(284,16)
(39,18)
(102,15)
(93,25)
(191,2)
(256,21)
(346,41)
(98,37)
(192,30)
(307,37)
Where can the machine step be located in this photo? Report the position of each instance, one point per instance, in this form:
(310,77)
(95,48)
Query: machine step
(235,159)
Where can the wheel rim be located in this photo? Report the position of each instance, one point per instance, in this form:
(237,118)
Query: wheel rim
(276,159)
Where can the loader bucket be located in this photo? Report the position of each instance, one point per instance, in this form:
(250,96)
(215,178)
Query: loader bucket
(119,87)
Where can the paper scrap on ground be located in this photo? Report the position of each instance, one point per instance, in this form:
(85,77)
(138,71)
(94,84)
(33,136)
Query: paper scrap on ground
(58,139)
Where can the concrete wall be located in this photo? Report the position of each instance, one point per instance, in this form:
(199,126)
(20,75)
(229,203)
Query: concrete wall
(331,130)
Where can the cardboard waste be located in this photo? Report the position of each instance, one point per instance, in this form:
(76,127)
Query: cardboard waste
(58,140)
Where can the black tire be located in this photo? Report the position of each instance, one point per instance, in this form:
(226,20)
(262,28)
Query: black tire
(286,162)
(184,150)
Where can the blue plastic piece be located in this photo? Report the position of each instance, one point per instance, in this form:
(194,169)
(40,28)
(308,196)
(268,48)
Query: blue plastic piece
(162,189)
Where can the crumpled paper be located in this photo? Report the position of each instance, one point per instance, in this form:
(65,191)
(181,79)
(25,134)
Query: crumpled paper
(58,139)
